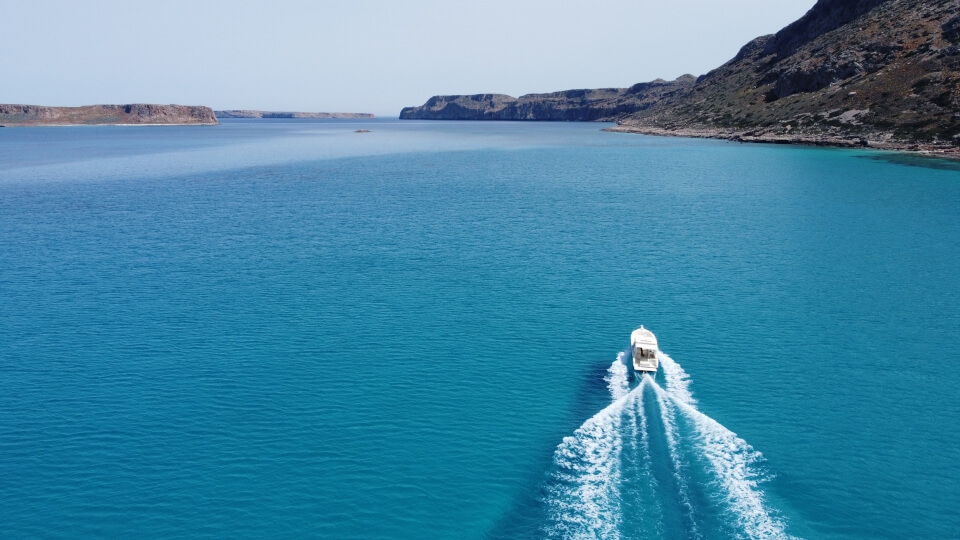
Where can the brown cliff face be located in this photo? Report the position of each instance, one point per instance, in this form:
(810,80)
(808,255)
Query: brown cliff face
(137,113)
(606,104)
(825,16)
(868,71)
(850,72)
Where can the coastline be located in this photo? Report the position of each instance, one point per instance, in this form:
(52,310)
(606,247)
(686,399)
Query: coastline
(17,115)
(930,150)
(144,124)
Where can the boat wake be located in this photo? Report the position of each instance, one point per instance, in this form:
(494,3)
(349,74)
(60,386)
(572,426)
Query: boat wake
(650,464)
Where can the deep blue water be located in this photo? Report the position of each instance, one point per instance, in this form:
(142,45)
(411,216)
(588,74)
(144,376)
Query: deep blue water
(290,329)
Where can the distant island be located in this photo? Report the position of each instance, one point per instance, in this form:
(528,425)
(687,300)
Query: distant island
(877,73)
(273,114)
(133,114)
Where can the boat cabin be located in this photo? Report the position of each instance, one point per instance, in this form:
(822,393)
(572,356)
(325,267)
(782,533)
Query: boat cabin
(643,346)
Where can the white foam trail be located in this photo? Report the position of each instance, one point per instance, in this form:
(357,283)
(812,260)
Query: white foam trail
(644,431)
(617,380)
(673,445)
(644,436)
(732,458)
(584,499)
(640,443)
(678,382)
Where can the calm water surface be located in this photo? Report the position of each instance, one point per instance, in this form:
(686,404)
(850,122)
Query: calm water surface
(290,329)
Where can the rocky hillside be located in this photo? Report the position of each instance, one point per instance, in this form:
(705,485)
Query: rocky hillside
(272,114)
(37,115)
(606,104)
(882,73)
(862,72)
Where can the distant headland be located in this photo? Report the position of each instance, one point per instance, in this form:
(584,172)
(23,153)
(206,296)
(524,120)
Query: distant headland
(877,73)
(92,115)
(283,114)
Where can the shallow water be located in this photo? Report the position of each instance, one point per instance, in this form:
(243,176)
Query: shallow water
(288,328)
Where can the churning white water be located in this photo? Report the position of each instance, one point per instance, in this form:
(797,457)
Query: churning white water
(605,467)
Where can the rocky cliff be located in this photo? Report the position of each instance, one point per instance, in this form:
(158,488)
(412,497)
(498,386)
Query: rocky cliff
(606,104)
(867,72)
(138,113)
(882,73)
(272,114)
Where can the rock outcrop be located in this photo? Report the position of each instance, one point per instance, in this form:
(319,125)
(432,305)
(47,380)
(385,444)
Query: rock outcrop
(137,113)
(605,104)
(272,114)
(882,73)
(865,72)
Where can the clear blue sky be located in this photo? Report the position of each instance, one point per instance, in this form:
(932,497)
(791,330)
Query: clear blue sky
(360,55)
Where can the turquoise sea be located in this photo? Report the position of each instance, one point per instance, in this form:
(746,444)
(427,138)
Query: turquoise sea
(289,329)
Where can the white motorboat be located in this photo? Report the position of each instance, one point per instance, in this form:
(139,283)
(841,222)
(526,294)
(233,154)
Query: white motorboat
(643,346)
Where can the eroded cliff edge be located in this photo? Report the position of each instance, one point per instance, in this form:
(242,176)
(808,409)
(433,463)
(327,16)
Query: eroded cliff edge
(605,104)
(881,73)
(137,113)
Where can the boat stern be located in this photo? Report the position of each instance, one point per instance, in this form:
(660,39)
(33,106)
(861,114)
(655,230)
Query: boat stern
(647,363)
